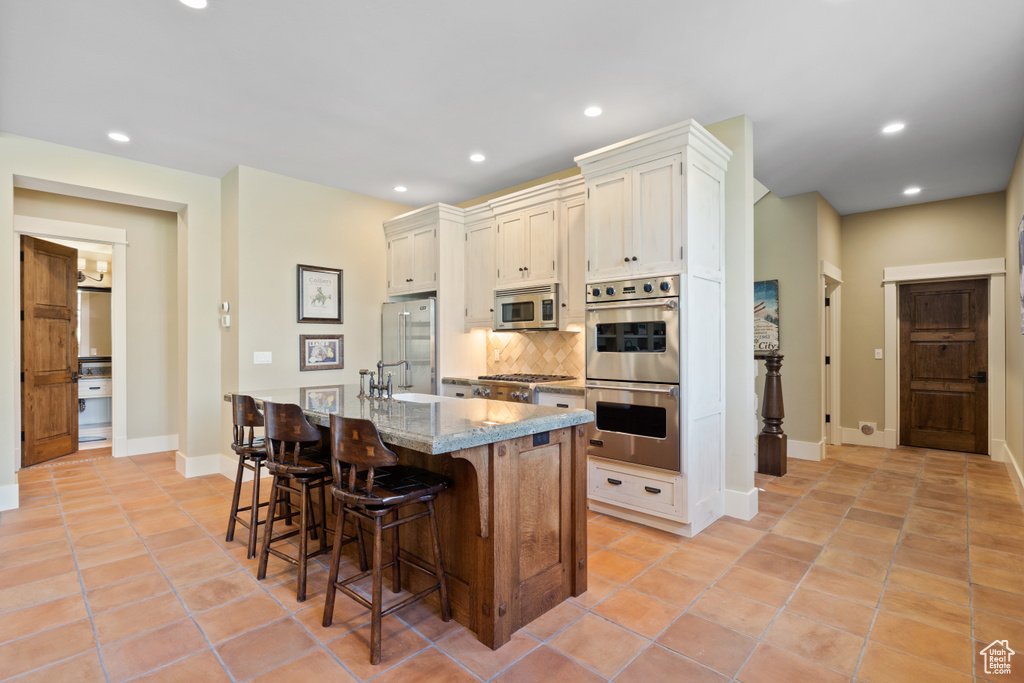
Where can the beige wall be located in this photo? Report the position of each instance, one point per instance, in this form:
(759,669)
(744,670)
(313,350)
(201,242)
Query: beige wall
(1014,302)
(786,248)
(151,278)
(740,371)
(936,232)
(829,234)
(282,222)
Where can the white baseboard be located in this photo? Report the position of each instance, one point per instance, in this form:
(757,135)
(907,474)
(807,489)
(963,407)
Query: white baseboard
(1015,472)
(805,450)
(9,497)
(153,444)
(197,465)
(740,504)
(999,451)
(889,437)
(854,437)
(229,468)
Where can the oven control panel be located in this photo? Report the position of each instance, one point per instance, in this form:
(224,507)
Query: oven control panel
(638,289)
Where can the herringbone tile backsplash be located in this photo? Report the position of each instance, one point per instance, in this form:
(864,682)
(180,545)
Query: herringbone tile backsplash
(549,353)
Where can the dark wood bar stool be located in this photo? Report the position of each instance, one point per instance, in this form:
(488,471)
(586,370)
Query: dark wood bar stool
(382,489)
(298,467)
(252,454)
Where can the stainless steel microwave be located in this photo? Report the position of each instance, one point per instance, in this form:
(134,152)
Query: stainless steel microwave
(526,308)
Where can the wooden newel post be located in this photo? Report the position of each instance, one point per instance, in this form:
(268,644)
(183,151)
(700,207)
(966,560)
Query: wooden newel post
(771,442)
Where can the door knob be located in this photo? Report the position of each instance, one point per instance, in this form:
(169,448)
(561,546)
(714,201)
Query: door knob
(982,377)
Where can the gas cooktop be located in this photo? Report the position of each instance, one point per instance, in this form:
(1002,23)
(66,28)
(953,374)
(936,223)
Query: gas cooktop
(527,378)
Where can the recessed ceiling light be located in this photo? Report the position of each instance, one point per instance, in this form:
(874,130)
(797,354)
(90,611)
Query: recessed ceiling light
(477,157)
(194,4)
(894,128)
(912,190)
(400,188)
(592,111)
(118,137)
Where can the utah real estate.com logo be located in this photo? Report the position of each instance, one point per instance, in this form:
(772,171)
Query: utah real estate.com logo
(997,656)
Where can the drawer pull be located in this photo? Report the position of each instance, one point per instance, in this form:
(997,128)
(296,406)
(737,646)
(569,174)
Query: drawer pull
(95,388)
(460,394)
(562,405)
(614,482)
(651,489)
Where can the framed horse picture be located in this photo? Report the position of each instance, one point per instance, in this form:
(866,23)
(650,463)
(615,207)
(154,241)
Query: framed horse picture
(320,295)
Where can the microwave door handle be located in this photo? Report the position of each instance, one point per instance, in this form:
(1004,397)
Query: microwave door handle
(648,304)
(674,391)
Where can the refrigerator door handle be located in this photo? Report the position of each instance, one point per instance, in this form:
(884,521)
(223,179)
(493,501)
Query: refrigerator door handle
(403,341)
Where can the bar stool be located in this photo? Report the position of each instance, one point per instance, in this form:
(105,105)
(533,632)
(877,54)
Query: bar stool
(252,454)
(298,467)
(384,488)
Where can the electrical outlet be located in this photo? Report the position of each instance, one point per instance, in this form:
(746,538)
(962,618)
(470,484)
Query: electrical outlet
(878,354)
(497,356)
(261,357)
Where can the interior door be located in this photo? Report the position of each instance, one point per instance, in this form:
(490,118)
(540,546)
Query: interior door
(943,365)
(49,350)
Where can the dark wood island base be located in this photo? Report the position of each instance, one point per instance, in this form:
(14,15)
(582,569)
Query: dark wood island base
(513,529)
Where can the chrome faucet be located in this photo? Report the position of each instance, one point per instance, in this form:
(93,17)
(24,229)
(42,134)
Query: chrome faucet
(379,385)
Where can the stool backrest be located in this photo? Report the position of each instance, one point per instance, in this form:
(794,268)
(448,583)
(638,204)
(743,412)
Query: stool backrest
(356,442)
(245,415)
(286,431)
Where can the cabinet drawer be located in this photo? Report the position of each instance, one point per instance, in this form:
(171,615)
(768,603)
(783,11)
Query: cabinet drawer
(546,398)
(93,388)
(654,494)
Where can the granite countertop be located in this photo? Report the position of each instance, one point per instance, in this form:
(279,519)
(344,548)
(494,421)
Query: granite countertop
(440,426)
(571,387)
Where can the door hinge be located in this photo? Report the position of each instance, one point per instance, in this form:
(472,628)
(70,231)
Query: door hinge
(588,264)
(23,377)
(467,312)
(467,236)
(827,301)
(23,259)
(389,246)
(828,419)
(23,316)
(828,360)
(681,252)
(499,272)
(552,265)
(23,436)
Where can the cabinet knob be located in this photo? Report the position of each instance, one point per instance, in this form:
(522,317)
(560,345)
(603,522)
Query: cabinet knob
(492,310)
(626,259)
(634,258)
(526,268)
(520,270)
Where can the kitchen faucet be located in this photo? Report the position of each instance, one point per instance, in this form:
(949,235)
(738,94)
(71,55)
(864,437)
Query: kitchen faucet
(379,386)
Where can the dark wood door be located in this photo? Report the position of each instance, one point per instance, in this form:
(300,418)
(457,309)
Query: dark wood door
(49,350)
(943,365)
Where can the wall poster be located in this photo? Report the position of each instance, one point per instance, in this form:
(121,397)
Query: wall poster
(319,295)
(766,317)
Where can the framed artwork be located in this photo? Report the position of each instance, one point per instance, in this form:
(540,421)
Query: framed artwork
(320,291)
(1020,268)
(766,317)
(321,352)
(321,399)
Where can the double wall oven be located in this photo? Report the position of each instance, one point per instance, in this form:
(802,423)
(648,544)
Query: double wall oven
(633,332)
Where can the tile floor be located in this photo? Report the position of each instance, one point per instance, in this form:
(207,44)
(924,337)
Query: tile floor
(881,565)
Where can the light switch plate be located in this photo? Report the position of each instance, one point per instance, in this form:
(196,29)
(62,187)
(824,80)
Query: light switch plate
(878,354)
(497,356)
(261,357)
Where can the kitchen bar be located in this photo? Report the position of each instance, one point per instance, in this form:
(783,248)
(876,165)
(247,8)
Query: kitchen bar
(513,526)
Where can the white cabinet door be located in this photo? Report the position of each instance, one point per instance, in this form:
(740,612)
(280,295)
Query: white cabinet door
(400,263)
(511,253)
(480,273)
(657,215)
(424,265)
(609,230)
(541,243)
(574,292)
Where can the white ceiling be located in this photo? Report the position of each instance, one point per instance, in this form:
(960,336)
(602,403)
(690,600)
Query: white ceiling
(368,94)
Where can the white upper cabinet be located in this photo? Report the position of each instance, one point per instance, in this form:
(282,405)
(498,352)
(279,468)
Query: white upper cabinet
(412,261)
(574,266)
(634,220)
(527,245)
(480,273)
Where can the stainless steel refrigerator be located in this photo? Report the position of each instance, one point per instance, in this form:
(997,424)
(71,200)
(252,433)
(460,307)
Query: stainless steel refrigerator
(408,332)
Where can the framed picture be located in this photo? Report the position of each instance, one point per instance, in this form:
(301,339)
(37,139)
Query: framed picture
(321,399)
(321,352)
(320,291)
(766,317)
(1020,267)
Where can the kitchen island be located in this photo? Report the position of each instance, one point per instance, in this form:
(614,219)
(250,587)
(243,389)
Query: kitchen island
(513,527)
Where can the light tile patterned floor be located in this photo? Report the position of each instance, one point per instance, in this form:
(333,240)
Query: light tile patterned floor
(884,565)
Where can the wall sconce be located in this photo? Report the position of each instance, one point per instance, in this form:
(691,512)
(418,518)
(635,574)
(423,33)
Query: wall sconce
(101,268)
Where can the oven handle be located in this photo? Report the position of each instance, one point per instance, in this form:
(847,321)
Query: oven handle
(672,303)
(674,391)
